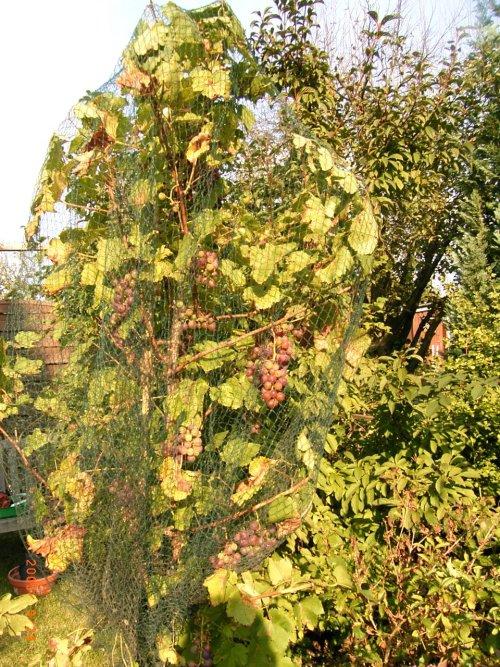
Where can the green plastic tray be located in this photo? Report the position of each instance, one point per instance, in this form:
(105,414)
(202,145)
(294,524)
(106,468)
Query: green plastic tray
(11,511)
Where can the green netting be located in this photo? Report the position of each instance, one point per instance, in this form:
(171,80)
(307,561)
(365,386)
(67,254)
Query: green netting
(210,259)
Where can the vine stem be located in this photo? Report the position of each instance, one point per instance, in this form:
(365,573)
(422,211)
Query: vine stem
(234,341)
(253,508)
(15,445)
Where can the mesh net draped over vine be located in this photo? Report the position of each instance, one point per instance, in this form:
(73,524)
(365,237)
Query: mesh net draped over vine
(208,277)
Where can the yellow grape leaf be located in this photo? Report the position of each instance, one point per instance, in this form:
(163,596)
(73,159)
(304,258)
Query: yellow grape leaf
(57,281)
(198,145)
(57,251)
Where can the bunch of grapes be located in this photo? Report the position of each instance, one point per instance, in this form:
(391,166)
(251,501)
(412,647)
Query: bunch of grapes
(206,656)
(123,297)
(270,362)
(245,543)
(197,320)
(273,381)
(187,443)
(207,265)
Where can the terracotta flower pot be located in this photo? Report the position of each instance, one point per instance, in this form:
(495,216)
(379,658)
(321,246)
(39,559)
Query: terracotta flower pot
(41,586)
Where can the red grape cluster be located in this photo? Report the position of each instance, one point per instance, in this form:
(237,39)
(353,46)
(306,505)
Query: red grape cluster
(271,363)
(188,443)
(123,297)
(206,656)
(249,542)
(207,264)
(197,320)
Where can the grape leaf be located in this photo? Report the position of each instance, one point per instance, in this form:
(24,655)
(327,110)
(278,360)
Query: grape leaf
(363,234)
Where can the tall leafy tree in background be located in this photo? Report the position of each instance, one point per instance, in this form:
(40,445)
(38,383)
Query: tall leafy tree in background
(418,129)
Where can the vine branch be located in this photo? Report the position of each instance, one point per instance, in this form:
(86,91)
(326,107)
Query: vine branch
(15,445)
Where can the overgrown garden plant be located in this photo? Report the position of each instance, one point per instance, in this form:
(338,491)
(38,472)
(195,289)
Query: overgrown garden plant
(210,320)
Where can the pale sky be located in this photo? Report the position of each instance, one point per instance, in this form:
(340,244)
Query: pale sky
(52,51)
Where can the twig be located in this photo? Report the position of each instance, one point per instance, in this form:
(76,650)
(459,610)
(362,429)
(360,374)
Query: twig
(254,508)
(234,341)
(236,316)
(26,463)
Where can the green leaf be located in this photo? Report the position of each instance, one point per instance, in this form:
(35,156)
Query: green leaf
(342,575)
(34,441)
(212,83)
(233,273)
(151,39)
(221,586)
(308,611)
(57,280)
(186,399)
(238,452)
(279,569)
(297,261)
(300,141)
(219,358)
(263,297)
(264,261)
(90,274)
(234,392)
(111,253)
(27,339)
(325,159)
(242,612)
(198,146)
(333,271)
(363,234)
(282,509)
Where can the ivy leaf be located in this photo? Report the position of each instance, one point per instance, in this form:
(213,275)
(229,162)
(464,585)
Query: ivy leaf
(212,83)
(363,234)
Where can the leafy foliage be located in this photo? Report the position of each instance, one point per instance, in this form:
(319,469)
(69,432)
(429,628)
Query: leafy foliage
(11,621)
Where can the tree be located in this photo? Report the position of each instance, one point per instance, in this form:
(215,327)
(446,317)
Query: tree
(404,121)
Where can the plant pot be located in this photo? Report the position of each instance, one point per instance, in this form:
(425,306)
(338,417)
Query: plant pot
(13,510)
(41,586)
